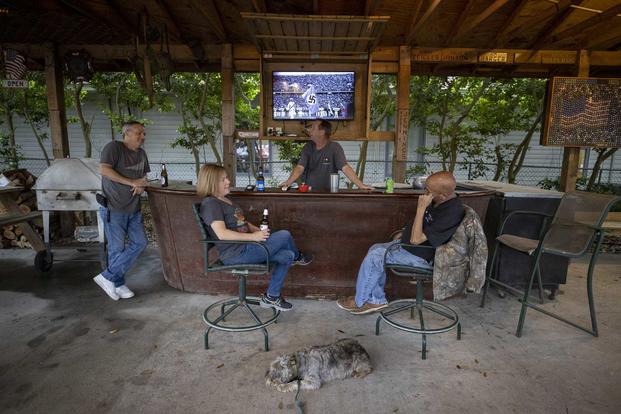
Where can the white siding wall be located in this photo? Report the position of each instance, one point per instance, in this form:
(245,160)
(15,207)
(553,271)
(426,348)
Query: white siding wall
(162,129)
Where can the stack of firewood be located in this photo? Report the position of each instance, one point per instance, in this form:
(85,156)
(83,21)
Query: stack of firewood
(11,235)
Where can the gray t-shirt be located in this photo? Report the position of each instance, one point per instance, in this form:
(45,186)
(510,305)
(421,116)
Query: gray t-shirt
(319,164)
(214,209)
(128,163)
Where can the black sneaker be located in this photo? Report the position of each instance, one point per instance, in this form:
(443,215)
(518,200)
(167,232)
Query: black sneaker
(303,260)
(278,303)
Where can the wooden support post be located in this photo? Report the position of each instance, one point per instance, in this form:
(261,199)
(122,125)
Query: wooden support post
(56,103)
(571,155)
(400,154)
(228,113)
(57,120)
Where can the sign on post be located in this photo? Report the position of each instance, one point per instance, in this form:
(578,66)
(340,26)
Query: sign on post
(15,83)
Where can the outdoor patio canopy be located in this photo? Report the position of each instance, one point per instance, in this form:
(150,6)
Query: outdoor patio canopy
(496,38)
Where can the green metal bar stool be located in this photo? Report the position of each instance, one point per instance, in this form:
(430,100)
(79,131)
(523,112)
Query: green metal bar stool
(242,301)
(418,306)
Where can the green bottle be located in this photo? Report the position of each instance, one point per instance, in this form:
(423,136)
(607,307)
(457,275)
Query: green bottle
(390,185)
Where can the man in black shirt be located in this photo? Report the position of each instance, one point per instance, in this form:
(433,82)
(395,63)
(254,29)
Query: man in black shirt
(438,214)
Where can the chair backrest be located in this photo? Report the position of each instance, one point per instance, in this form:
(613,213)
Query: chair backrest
(578,220)
(196,207)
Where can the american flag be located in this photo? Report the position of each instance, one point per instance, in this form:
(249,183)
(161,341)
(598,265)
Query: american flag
(15,64)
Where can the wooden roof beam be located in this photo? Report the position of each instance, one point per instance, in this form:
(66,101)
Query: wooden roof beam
(259,6)
(588,24)
(416,12)
(540,19)
(507,23)
(605,41)
(563,12)
(113,5)
(460,22)
(171,22)
(370,6)
(197,49)
(84,10)
(472,24)
(208,10)
(417,25)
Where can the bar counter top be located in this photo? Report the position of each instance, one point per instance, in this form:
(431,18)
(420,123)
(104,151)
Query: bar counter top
(337,228)
(513,190)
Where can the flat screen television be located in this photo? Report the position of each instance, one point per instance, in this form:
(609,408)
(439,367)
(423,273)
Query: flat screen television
(313,95)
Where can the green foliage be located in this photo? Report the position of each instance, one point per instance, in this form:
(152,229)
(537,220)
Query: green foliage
(383,100)
(289,151)
(10,155)
(466,114)
(29,103)
(122,95)
(198,99)
(247,87)
(415,170)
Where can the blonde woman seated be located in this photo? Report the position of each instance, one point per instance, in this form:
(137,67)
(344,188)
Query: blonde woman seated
(225,221)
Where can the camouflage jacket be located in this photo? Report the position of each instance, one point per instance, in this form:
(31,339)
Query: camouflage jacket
(459,265)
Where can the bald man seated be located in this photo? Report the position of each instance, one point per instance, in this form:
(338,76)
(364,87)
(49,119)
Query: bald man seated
(437,217)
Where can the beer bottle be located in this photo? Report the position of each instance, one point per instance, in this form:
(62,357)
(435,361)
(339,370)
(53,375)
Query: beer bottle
(260,180)
(164,176)
(265,222)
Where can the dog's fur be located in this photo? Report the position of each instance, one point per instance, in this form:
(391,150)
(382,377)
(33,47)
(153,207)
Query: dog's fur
(319,364)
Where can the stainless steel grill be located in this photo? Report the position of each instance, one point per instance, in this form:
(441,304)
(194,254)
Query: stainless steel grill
(69,184)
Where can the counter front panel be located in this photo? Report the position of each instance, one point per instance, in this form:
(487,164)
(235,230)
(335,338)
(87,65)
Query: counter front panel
(337,229)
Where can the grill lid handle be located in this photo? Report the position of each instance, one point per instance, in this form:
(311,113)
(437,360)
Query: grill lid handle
(69,195)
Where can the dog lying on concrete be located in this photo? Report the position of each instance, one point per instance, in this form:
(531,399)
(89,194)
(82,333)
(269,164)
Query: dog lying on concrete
(314,366)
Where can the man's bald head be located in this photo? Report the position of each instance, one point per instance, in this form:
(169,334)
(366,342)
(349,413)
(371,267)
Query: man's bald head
(442,183)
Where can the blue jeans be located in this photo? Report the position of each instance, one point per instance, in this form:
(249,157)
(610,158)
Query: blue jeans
(121,256)
(372,276)
(282,251)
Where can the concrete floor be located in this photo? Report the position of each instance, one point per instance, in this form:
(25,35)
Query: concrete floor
(66,348)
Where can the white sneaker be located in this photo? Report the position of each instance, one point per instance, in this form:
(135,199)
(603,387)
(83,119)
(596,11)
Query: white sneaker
(124,292)
(107,286)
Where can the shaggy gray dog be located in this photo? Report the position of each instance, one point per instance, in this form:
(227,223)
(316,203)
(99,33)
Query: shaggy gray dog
(319,364)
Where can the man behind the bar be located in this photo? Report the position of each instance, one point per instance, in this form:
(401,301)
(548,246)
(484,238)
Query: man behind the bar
(124,166)
(434,224)
(321,157)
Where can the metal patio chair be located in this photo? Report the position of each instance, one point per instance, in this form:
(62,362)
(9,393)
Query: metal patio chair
(242,301)
(575,231)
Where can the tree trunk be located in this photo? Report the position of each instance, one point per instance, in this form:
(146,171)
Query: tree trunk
(520,154)
(200,118)
(38,137)
(251,146)
(197,161)
(453,142)
(441,130)
(86,128)
(500,163)
(602,155)
(13,158)
(111,123)
(362,162)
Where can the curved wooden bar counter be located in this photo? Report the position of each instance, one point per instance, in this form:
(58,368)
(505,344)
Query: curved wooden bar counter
(337,228)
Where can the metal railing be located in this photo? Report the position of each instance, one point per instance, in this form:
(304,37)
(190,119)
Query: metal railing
(375,172)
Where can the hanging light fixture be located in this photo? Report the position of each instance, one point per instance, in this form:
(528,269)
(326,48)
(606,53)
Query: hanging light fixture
(78,64)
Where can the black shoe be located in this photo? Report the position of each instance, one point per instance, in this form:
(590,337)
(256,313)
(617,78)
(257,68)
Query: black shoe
(278,303)
(303,260)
